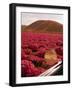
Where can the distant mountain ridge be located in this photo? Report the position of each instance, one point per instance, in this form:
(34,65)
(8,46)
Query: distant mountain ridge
(43,26)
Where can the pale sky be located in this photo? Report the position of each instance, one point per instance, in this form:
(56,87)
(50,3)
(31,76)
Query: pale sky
(28,18)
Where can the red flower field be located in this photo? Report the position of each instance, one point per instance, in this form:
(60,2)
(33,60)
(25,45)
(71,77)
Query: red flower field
(39,52)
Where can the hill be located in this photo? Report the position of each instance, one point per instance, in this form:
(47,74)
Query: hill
(43,26)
